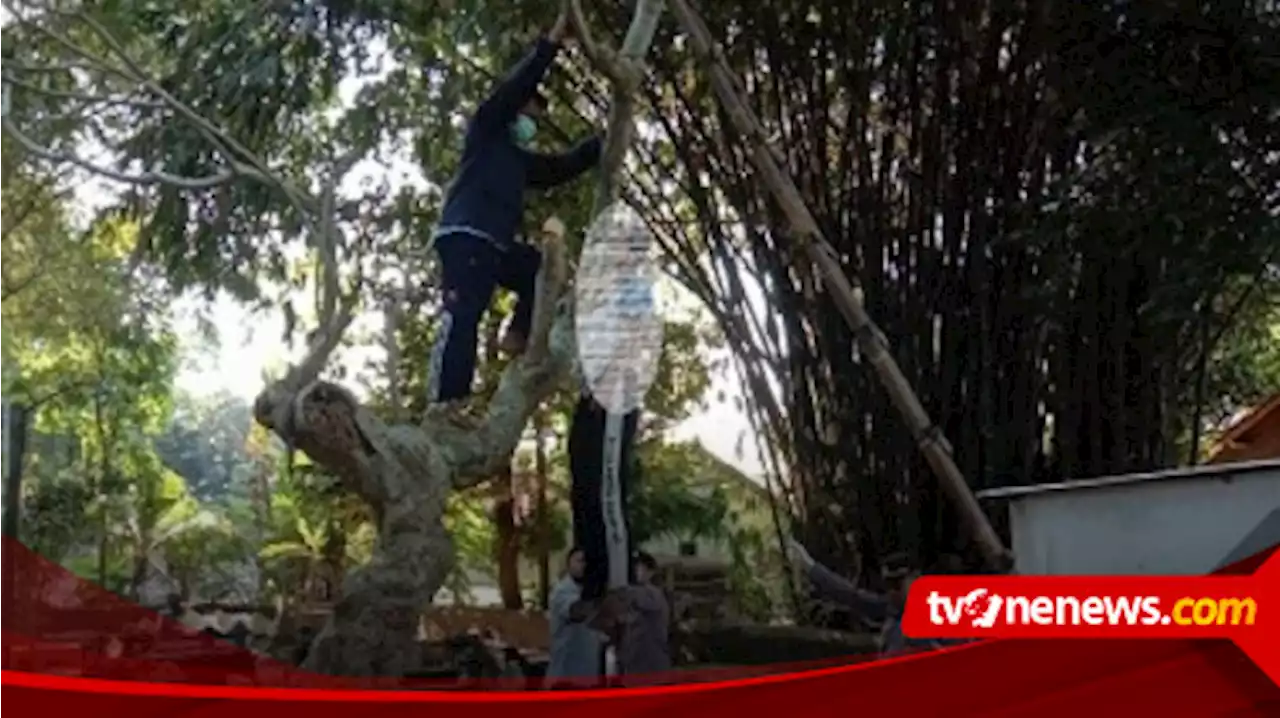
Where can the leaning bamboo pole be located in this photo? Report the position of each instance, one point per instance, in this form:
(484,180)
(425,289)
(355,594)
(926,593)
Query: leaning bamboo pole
(847,297)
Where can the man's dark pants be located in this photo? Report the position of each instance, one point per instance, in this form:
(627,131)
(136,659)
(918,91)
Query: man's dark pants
(472,268)
(587,447)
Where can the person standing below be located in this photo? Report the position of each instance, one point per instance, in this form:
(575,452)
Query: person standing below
(476,237)
(576,649)
(644,651)
(885,609)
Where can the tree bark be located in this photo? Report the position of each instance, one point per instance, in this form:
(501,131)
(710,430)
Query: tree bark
(541,517)
(507,538)
(405,473)
(100,492)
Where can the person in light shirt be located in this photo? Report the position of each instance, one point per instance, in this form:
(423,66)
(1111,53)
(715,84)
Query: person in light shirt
(576,649)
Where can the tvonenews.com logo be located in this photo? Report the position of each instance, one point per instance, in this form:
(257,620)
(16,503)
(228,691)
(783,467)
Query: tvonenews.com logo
(980,608)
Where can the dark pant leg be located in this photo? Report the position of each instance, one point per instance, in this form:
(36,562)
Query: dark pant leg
(587,459)
(468,269)
(518,272)
(586,434)
(628,477)
(614,452)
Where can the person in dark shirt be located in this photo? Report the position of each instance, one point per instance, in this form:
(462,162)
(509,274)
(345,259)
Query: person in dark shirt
(476,237)
(644,653)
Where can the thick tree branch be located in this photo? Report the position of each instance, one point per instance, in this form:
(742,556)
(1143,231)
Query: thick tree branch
(625,70)
(327,234)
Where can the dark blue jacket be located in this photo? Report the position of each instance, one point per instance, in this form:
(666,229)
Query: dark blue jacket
(486,198)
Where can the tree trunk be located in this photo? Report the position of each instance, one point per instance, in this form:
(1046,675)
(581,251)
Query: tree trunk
(139,576)
(261,497)
(507,540)
(541,516)
(1197,412)
(100,493)
(405,473)
(335,559)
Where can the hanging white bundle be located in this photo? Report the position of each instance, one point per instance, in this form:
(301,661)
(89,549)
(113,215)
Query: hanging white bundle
(618,327)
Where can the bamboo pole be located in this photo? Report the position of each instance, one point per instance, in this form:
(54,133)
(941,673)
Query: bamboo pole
(847,297)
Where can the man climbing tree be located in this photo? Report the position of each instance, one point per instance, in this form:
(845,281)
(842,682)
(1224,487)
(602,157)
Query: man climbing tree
(476,238)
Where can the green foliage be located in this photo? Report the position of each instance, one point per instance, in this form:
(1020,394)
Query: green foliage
(318,531)
(1246,363)
(755,574)
(199,546)
(276,82)
(207,557)
(678,493)
(470,521)
(205,443)
(684,375)
(53,515)
(85,348)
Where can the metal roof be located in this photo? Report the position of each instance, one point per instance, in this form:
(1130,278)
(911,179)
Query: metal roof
(1206,471)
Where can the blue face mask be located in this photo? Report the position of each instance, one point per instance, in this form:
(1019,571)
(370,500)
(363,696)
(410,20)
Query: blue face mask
(522,129)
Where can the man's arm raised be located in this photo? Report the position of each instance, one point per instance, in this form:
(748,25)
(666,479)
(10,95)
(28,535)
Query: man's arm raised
(546,171)
(501,107)
(869,606)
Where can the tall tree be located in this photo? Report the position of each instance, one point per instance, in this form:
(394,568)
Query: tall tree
(202,153)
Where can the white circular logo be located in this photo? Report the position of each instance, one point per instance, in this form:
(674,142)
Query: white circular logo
(616,319)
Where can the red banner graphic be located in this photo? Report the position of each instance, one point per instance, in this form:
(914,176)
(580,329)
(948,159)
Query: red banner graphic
(70,646)
(1071,607)
(1243,609)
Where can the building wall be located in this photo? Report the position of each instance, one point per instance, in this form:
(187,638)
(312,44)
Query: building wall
(1180,526)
